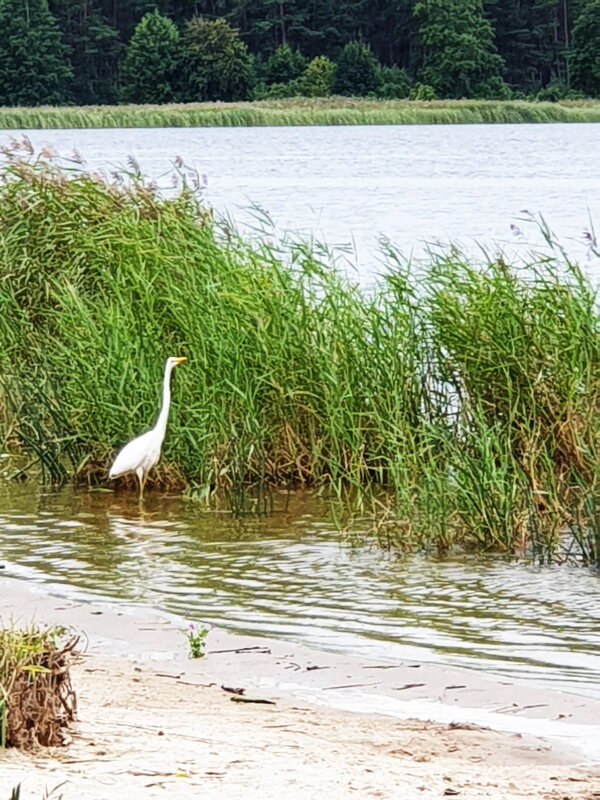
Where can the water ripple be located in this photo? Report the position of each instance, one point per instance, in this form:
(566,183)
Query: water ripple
(291,576)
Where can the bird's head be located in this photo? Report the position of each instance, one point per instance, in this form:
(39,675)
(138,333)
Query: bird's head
(174,360)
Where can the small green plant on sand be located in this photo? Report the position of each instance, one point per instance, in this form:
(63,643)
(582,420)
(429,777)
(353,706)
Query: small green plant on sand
(196,637)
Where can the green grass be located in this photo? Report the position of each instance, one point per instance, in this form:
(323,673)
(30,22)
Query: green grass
(454,405)
(49,794)
(301,111)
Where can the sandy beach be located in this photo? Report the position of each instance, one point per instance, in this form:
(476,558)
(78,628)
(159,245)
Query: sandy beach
(154,723)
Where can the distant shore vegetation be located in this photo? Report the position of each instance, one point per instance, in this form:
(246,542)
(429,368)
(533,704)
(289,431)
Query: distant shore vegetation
(300,111)
(103,52)
(454,403)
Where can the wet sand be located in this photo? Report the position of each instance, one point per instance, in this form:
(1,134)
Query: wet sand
(155,723)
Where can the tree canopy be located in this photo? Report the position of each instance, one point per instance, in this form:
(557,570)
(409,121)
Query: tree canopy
(356,71)
(34,68)
(457,53)
(586,50)
(152,60)
(100,51)
(216,64)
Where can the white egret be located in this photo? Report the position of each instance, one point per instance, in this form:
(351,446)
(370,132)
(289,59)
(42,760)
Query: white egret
(143,452)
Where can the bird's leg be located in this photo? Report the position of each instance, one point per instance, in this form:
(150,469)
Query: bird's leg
(141,480)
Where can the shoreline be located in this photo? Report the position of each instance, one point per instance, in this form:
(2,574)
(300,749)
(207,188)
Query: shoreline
(301,112)
(135,664)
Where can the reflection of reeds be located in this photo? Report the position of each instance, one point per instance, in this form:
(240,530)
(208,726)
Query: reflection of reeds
(472,401)
(302,111)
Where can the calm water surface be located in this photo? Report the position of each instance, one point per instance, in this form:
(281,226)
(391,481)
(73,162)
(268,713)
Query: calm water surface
(291,576)
(349,185)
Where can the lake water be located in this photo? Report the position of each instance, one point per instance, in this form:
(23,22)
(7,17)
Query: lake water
(290,575)
(350,185)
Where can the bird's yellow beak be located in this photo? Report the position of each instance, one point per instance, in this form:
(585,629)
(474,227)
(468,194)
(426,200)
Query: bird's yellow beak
(180,359)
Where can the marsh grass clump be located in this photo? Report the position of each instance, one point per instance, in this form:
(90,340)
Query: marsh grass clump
(37,701)
(302,111)
(520,355)
(454,405)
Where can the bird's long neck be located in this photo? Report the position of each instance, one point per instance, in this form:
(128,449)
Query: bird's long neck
(161,422)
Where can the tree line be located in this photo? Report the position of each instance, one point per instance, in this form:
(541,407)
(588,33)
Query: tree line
(156,51)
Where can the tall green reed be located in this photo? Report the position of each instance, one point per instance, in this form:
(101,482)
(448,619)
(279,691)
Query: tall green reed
(459,405)
(302,111)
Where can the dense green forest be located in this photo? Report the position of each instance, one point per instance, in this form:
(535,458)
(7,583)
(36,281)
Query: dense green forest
(155,51)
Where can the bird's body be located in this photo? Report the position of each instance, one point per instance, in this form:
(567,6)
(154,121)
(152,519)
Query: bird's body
(143,452)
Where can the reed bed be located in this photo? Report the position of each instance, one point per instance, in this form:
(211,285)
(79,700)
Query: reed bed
(301,111)
(454,405)
(36,699)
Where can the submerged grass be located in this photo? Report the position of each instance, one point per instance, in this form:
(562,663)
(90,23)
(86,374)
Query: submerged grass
(36,698)
(301,111)
(459,405)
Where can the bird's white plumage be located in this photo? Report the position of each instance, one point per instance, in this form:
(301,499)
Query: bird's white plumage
(143,452)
